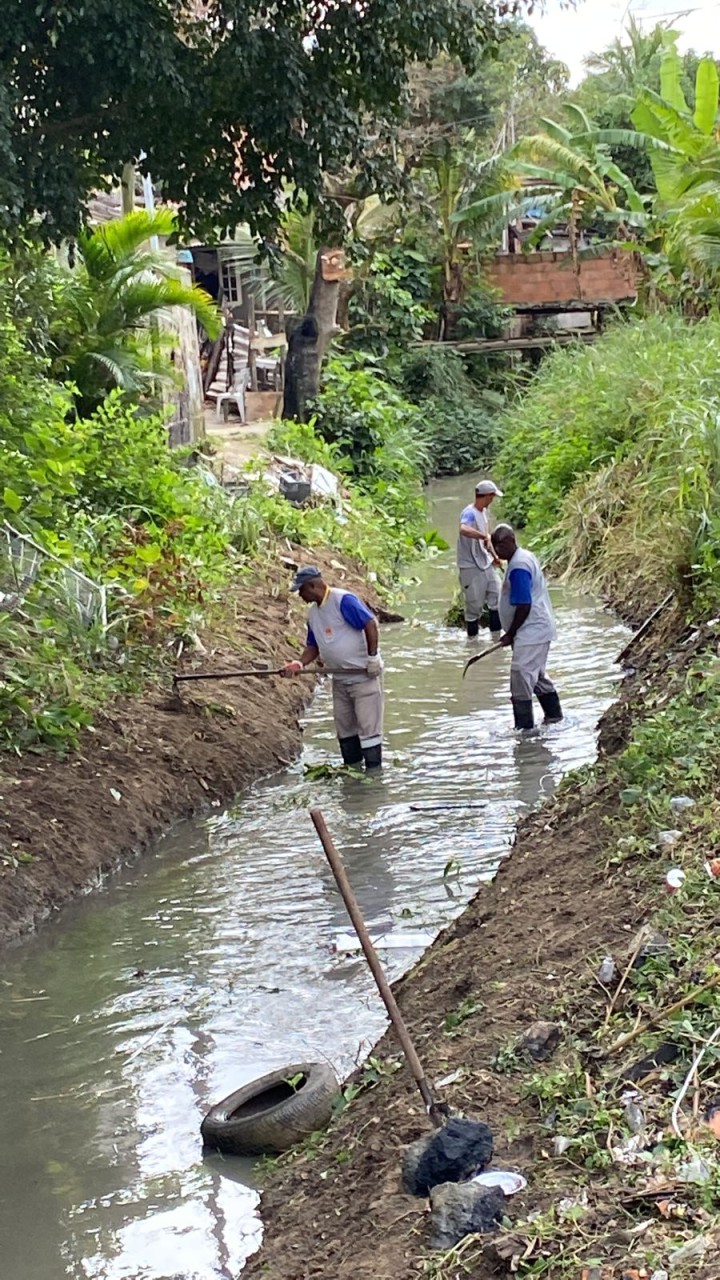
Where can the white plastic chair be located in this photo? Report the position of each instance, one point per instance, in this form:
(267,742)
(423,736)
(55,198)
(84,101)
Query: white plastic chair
(236,395)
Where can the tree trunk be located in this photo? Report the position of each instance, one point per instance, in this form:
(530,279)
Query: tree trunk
(127,189)
(308,342)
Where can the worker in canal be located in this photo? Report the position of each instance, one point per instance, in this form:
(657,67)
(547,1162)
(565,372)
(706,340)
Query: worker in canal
(476,562)
(344,634)
(529,628)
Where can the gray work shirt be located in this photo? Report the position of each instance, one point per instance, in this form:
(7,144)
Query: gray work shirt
(539,626)
(471,552)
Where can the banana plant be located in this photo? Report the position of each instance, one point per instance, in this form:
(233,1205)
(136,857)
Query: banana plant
(684,148)
(574,163)
(468,197)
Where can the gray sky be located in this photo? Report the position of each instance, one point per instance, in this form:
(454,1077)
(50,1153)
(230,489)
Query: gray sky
(572,34)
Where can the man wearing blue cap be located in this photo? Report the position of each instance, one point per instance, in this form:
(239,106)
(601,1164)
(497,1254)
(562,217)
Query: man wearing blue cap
(344,634)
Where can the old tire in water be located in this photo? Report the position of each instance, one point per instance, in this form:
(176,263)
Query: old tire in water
(271,1114)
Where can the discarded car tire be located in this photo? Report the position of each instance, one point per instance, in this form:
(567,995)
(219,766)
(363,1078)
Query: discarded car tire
(270,1115)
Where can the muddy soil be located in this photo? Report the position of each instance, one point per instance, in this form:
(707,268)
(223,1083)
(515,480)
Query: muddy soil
(555,908)
(152,759)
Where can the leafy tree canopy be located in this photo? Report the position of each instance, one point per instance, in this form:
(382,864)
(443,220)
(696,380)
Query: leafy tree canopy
(229,101)
(515,77)
(630,65)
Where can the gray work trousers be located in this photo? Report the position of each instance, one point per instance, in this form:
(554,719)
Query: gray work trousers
(527,671)
(480,587)
(358,710)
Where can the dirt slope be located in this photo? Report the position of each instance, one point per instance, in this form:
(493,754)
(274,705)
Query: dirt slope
(527,945)
(149,762)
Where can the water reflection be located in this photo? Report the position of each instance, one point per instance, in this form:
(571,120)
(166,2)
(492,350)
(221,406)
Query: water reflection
(214,961)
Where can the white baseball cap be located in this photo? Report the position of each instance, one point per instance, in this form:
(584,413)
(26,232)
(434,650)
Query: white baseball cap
(485,487)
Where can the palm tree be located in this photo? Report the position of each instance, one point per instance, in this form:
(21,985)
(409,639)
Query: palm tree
(118,291)
(630,63)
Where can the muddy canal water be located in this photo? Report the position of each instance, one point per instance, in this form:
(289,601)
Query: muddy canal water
(212,960)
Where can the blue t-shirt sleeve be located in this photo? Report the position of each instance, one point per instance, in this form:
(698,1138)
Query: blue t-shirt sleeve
(311,641)
(520,586)
(355,613)
(468,517)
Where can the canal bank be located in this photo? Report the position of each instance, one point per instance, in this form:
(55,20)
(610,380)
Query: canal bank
(212,961)
(614,1123)
(154,759)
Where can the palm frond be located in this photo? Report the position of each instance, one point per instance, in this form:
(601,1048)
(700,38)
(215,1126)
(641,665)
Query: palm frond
(124,236)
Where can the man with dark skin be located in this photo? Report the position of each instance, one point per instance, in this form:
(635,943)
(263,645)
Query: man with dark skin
(344,633)
(529,629)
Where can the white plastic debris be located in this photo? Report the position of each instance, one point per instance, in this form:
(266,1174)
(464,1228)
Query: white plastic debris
(507,1181)
(629,1152)
(679,804)
(675,879)
(693,1251)
(561,1144)
(451,1079)
(694,1170)
(666,839)
(660,1275)
(323,482)
(606,972)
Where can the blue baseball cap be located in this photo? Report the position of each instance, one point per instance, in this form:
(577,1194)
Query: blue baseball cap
(308,574)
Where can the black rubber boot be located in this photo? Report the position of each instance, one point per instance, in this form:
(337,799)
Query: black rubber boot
(495,625)
(351,750)
(472,628)
(550,704)
(373,756)
(523,713)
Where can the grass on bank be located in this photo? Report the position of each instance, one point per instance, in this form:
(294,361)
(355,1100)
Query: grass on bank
(616,1200)
(106,496)
(90,477)
(612,462)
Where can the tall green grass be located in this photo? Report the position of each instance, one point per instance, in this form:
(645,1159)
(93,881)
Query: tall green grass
(612,462)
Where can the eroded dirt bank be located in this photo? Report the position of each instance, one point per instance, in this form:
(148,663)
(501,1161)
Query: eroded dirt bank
(151,761)
(527,948)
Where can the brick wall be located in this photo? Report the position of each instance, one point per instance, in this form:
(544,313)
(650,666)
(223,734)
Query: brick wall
(536,278)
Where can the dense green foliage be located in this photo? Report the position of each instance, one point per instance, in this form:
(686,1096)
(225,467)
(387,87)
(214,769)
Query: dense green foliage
(206,93)
(612,460)
(458,421)
(616,76)
(103,494)
(101,323)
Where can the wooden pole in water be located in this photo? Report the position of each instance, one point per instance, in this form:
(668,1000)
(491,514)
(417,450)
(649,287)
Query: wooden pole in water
(434,1109)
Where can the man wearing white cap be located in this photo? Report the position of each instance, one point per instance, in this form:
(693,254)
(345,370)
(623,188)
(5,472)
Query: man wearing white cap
(343,632)
(476,562)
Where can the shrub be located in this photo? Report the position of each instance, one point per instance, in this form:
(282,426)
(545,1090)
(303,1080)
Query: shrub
(613,460)
(373,427)
(460,422)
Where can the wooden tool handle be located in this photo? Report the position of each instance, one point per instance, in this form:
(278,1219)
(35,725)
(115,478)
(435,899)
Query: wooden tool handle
(376,969)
